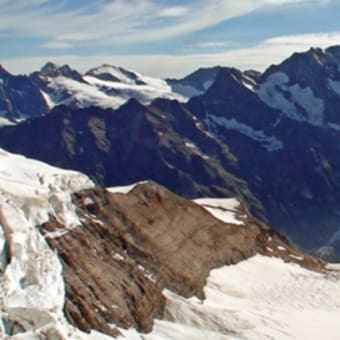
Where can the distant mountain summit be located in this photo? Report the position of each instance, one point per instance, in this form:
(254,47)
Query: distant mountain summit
(305,87)
(51,70)
(195,83)
(116,74)
(19,97)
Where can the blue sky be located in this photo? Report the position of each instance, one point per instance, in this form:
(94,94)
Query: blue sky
(162,38)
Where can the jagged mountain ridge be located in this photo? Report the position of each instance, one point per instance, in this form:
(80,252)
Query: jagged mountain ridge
(279,87)
(107,145)
(118,250)
(105,86)
(19,97)
(274,136)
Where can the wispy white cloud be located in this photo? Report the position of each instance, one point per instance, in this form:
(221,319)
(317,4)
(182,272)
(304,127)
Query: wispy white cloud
(117,21)
(57,45)
(174,11)
(212,44)
(296,41)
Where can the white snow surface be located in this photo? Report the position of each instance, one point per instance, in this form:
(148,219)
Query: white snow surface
(115,71)
(223,209)
(31,283)
(261,298)
(4,121)
(290,99)
(78,93)
(313,106)
(124,189)
(107,94)
(270,143)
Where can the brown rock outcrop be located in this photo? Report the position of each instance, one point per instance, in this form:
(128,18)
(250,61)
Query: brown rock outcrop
(130,247)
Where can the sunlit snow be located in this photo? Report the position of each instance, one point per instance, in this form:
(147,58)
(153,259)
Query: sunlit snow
(257,299)
(124,189)
(107,93)
(224,209)
(270,143)
(290,99)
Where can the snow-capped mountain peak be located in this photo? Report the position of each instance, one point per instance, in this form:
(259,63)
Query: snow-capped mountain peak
(106,86)
(52,70)
(112,73)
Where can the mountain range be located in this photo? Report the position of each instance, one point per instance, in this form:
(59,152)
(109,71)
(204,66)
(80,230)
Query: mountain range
(271,139)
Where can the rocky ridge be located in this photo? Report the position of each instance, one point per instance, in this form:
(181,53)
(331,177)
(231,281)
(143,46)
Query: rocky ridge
(130,247)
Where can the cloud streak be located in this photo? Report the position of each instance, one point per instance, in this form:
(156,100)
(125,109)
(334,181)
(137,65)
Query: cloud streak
(113,22)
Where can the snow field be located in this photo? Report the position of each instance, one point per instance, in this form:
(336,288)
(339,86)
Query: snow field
(257,299)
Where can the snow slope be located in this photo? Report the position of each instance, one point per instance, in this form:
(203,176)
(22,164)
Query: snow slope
(278,94)
(270,143)
(124,189)
(257,299)
(225,209)
(105,86)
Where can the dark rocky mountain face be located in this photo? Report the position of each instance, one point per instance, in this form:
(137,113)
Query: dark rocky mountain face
(290,165)
(310,82)
(271,139)
(51,70)
(130,144)
(19,97)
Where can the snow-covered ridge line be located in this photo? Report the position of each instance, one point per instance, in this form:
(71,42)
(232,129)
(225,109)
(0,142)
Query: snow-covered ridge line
(105,86)
(224,209)
(124,189)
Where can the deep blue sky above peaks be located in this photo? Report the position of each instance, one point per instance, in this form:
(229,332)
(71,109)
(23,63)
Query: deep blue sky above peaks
(162,38)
